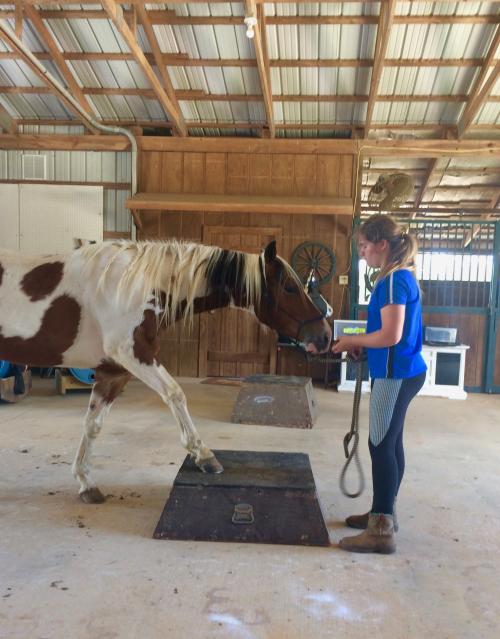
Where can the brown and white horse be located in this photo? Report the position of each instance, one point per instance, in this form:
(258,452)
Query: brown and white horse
(102,307)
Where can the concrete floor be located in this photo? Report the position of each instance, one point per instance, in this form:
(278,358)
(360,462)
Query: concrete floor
(69,570)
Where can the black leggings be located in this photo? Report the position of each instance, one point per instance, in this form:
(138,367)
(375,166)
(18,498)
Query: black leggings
(389,402)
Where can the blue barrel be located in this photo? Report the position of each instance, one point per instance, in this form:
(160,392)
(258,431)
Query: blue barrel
(4,368)
(84,375)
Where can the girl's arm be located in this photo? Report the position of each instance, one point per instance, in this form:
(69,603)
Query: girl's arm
(393,318)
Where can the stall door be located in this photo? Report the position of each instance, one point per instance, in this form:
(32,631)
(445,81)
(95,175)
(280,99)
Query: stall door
(233,343)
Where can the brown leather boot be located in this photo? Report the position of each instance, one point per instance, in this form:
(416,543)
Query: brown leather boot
(378,536)
(361,521)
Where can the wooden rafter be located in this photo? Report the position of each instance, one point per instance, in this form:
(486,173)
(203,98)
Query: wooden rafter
(169,17)
(7,122)
(475,230)
(438,129)
(482,87)
(367,148)
(18,25)
(157,54)
(384,28)
(183,60)
(136,2)
(49,87)
(56,56)
(115,14)
(193,94)
(424,185)
(262,57)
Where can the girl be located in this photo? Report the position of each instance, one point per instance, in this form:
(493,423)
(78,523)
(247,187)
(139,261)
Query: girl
(393,341)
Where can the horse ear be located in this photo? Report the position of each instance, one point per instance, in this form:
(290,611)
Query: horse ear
(270,251)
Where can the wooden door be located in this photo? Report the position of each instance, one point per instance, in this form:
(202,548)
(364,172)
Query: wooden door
(233,343)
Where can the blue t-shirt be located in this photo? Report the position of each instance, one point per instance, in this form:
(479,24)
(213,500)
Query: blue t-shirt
(404,359)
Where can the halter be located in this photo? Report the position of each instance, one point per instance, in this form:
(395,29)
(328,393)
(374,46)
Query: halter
(301,323)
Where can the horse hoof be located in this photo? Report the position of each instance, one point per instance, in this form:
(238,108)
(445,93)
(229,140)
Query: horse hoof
(211,465)
(92,496)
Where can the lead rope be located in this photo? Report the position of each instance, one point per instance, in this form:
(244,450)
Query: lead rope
(354,433)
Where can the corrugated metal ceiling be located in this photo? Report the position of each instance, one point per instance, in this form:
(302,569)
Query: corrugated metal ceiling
(284,42)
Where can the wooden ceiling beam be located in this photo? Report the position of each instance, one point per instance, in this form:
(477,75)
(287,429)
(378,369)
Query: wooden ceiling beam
(169,17)
(385,20)
(49,86)
(115,13)
(424,185)
(322,126)
(56,56)
(182,60)
(157,55)
(7,122)
(262,58)
(367,148)
(475,230)
(135,2)
(244,97)
(482,86)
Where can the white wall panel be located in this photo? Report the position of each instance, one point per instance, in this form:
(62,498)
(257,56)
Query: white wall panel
(9,216)
(52,215)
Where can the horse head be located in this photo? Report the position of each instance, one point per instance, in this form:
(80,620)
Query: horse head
(286,307)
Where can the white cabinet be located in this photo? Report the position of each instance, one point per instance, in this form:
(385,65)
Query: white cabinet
(445,372)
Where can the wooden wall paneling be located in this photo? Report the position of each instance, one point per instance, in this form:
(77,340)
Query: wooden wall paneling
(324,231)
(260,174)
(150,221)
(203,345)
(215,173)
(496,372)
(150,171)
(282,175)
(172,172)
(192,226)
(194,173)
(258,219)
(342,250)
(346,171)
(212,219)
(237,173)
(305,175)
(188,349)
(171,224)
(328,175)
(478,345)
(467,333)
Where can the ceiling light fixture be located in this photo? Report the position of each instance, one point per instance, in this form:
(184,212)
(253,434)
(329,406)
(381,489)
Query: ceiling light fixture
(251,22)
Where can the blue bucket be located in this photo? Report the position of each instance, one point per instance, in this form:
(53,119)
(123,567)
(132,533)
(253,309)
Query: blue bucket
(84,375)
(4,368)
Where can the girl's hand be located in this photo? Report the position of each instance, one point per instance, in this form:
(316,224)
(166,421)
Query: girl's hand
(347,344)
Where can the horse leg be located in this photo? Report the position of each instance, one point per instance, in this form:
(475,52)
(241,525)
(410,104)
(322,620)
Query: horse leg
(110,381)
(156,377)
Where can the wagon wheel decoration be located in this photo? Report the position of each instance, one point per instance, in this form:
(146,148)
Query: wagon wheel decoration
(370,275)
(313,260)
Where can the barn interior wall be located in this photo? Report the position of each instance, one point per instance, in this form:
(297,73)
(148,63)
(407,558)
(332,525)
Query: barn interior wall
(106,167)
(246,174)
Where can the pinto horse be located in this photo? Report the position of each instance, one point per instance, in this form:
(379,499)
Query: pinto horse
(102,307)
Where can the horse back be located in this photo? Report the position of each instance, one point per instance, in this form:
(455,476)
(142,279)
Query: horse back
(40,308)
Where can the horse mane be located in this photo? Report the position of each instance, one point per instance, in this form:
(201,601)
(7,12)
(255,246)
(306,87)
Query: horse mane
(190,267)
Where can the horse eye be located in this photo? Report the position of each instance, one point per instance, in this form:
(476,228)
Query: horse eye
(291,289)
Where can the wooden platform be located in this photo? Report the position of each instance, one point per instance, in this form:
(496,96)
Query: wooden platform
(65,382)
(261,497)
(276,400)
(7,393)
